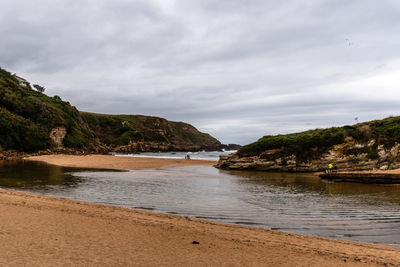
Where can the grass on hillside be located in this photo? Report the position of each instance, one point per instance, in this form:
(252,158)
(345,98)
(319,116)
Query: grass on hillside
(27,116)
(313,143)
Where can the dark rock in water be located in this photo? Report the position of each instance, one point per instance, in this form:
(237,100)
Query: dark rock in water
(229,147)
(222,147)
(362,177)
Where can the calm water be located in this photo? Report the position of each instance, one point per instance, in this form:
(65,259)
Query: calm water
(201,155)
(297,203)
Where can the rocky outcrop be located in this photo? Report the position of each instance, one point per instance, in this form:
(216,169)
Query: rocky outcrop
(362,177)
(349,156)
(57,135)
(142,146)
(228,147)
(138,133)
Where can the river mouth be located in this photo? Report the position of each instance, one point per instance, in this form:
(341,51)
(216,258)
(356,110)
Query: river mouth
(298,203)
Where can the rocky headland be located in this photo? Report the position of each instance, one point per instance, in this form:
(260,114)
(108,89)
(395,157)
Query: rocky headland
(34,123)
(365,146)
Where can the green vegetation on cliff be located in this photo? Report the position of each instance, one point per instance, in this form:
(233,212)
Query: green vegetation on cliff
(313,143)
(28,116)
(123,129)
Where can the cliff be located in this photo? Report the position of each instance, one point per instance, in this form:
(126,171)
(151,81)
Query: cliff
(32,121)
(138,133)
(27,118)
(364,146)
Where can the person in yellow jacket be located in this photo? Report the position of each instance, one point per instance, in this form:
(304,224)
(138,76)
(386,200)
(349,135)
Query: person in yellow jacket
(330,167)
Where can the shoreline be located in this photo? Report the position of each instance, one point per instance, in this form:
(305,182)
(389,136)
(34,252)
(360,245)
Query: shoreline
(51,231)
(115,162)
(65,231)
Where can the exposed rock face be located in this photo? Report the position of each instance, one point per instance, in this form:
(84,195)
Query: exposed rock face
(138,133)
(273,160)
(143,146)
(57,135)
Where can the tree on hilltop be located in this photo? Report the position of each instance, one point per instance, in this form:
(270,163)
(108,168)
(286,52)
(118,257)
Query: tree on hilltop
(39,88)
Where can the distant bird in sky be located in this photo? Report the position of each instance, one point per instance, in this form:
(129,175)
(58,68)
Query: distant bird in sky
(348,42)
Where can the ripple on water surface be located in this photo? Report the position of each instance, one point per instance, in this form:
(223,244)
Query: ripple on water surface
(297,203)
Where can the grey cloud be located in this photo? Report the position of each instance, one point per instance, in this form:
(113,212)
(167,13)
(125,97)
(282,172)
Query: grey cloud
(237,69)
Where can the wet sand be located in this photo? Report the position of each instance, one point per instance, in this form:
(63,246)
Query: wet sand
(47,231)
(39,230)
(116,162)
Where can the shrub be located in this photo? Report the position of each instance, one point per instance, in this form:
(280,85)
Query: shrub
(305,145)
(27,116)
(39,88)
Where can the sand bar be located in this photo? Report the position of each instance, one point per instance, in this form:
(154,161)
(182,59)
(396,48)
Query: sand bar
(116,162)
(38,230)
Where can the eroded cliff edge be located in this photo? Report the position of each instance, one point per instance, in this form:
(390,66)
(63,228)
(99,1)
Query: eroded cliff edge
(365,146)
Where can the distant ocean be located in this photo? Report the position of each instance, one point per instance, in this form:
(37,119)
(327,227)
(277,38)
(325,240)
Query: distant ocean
(201,155)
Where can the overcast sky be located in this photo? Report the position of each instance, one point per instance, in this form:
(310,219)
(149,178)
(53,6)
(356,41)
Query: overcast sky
(235,69)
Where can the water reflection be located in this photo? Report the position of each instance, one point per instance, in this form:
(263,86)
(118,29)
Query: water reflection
(26,174)
(308,182)
(300,203)
(34,175)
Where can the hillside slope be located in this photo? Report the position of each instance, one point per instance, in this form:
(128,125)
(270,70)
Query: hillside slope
(364,146)
(135,133)
(31,121)
(27,118)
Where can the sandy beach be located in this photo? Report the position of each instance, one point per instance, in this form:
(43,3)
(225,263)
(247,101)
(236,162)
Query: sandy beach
(46,231)
(116,162)
(40,230)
